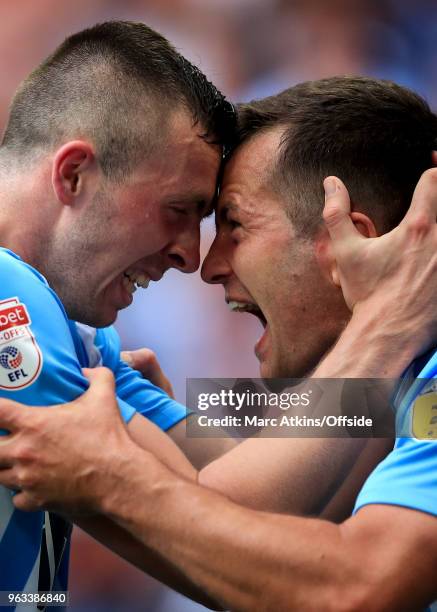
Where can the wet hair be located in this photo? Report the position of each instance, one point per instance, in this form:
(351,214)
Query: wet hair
(116,84)
(375,135)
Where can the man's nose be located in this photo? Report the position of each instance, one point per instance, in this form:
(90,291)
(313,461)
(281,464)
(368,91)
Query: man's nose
(215,267)
(184,254)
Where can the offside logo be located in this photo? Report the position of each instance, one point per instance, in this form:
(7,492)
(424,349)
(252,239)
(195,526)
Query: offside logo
(20,355)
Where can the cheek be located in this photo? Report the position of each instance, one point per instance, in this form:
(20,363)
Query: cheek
(250,260)
(148,238)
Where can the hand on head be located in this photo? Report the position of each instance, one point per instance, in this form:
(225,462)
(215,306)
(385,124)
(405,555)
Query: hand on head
(398,268)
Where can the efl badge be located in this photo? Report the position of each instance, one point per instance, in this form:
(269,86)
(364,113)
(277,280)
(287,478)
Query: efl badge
(20,355)
(425,416)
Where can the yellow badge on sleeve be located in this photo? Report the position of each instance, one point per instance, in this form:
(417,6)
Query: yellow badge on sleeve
(425,417)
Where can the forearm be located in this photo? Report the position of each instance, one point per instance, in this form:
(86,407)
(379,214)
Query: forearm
(251,560)
(238,556)
(144,558)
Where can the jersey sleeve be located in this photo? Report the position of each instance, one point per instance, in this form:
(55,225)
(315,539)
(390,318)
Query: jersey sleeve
(39,364)
(407,477)
(147,399)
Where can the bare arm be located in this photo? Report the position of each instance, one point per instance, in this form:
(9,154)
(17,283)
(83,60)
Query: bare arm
(290,475)
(340,506)
(107,532)
(293,475)
(148,436)
(121,542)
(200,451)
(384,558)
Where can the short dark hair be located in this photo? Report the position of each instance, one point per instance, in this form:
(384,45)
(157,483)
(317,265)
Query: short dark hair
(375,135)
(115,82)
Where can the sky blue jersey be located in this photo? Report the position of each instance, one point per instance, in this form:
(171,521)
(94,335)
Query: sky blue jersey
(42,354)
(408,475)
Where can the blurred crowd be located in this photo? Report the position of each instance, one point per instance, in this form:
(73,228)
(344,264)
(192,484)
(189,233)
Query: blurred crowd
(249,49)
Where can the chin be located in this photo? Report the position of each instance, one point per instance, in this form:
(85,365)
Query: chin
(98,319)
(269,370)
(101,321)
(279,368)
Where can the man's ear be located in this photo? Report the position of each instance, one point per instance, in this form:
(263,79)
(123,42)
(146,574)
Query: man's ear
(70,163)
(324,251)
(364,224)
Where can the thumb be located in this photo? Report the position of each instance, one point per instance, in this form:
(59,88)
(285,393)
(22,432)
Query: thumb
(128,358)
(101,381)
(336,213)
(424,202)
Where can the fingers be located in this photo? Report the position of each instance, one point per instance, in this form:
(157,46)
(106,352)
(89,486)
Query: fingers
(24,501)
(336,213)
(8,479)
(101,382)
(144,360)
(11,415)
(423,207)
(434,158)
(6,460)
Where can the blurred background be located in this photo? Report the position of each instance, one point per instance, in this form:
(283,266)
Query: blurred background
(250,49)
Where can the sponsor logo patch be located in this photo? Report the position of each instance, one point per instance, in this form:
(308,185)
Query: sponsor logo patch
(425,416)
(20,356)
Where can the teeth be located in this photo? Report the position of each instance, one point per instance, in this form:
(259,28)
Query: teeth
(135,279)
(129,285)
(142,281)
(242,307)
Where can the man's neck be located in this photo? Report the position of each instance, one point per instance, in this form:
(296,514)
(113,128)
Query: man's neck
(26,218)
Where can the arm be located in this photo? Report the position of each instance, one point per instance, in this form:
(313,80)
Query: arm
(280,475)
(340,506)
(268,474)
(303,476)
(243,558)
(121,542)
(199,450)
(384,558)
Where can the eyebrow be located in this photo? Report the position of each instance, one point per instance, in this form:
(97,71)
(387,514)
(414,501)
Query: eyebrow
(205,205)
(222,213)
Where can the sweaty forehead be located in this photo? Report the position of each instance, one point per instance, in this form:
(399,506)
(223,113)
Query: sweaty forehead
(249,169)
(259,152)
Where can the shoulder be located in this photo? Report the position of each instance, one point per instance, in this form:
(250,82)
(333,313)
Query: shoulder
(10,262)
(20,280)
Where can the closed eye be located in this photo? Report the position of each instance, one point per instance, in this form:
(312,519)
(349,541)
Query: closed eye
(180,211)
(233,224)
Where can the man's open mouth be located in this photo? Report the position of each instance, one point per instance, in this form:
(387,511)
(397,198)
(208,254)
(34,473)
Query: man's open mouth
(132,280)
(248,307)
